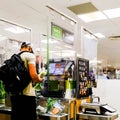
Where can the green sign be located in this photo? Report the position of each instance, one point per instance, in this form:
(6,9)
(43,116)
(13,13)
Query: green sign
(57,32)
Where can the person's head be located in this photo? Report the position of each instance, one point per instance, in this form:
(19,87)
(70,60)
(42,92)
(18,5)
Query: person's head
(104,71)
(26,46)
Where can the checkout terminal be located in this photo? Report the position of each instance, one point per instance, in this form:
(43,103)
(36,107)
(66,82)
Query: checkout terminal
(97,111)
(54,83)
(96,108)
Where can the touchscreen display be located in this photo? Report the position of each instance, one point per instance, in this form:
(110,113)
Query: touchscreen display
(108,108)
(56,68)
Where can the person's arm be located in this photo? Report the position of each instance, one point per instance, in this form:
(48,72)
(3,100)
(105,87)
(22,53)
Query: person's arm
(33,73)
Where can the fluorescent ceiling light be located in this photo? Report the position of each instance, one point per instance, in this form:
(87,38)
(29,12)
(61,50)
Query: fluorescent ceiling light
(93,16)
(99,35)
(95,61)
(112,13)
(109,65)
(16,30)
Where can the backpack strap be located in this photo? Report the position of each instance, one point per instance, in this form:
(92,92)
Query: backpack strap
(21,93)
(22,52)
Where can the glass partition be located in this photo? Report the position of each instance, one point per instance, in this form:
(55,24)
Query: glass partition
(89,50)
(58,42)
(11,36)
(57,49)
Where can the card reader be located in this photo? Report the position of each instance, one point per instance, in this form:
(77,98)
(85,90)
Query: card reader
(96,108)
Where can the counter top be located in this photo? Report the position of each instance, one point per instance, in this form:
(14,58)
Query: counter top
(51,115)
(106,116)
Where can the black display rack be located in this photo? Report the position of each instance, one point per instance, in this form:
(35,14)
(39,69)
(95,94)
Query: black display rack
(82,76)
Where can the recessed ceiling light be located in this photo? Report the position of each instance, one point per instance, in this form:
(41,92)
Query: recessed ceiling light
(112,13)
(95,61)
(93,16)
(16,30)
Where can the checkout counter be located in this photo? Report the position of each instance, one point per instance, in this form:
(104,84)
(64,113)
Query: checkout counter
(96,111)
(107,116)
(88,111)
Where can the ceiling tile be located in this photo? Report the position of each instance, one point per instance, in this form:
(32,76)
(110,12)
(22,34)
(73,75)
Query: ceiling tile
(83,8)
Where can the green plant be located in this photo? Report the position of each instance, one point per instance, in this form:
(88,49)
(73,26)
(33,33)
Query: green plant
(3,93)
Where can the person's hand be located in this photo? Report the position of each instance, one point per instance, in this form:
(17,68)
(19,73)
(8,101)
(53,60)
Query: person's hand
(40,78)
(42,74)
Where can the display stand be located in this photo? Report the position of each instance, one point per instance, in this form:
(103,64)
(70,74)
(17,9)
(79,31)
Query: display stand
(107,116)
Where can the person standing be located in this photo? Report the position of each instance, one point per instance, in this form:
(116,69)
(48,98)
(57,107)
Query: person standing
(24,105)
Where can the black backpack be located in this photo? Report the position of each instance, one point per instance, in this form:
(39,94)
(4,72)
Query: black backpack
(14,74)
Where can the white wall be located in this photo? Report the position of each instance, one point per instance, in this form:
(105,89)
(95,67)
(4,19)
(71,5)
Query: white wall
(109,92)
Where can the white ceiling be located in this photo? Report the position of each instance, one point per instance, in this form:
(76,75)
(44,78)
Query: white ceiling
(32,13)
